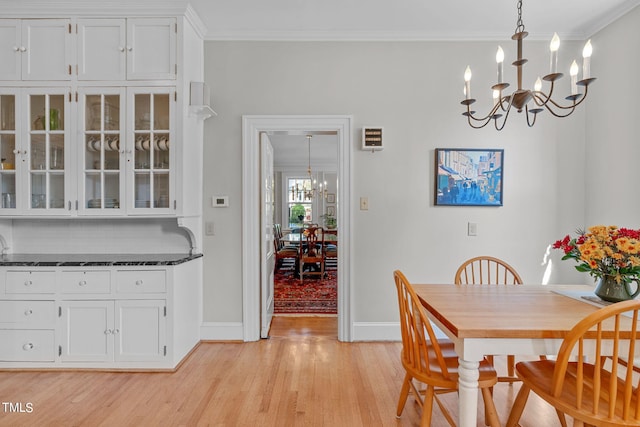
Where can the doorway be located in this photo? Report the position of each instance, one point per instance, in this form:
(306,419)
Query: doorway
(252,126)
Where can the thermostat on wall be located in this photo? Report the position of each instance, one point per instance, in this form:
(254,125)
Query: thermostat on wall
(220,201)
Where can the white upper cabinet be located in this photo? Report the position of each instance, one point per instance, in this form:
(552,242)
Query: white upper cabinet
(102,49)
(132,49)
(35,49)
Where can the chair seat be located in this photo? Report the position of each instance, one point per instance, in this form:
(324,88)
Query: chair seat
(539,377)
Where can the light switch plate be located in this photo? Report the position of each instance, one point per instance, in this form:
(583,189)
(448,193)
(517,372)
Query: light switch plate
(472,229)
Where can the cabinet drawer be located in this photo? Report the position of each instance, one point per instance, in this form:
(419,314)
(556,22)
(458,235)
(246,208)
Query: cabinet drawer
(144,281)
(24,345)
(31,282)
(85,282)
(27,314)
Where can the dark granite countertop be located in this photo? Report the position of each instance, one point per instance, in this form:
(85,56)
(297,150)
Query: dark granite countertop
(81,260)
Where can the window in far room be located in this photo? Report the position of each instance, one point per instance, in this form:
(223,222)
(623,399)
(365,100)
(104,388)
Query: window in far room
(299,202)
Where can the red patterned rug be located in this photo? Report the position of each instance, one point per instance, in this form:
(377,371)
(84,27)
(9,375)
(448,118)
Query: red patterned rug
(313,295)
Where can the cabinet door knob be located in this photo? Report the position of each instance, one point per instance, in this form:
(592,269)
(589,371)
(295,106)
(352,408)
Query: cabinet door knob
(139,282)
(23,49)
(28,312)
(82,282)
(16,49)
(121,48)
(28,283)
(28,346)
(16,151)
(108,331)
(129,48)
(116,331)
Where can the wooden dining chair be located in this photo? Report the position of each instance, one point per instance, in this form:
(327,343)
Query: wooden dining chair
(283,252)
(590,380)
(488,270)
(330,251)
(310,253)
(431,361)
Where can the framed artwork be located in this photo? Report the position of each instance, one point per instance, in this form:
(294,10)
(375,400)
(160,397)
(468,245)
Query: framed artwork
(331,197)
(331,210)
(468,177)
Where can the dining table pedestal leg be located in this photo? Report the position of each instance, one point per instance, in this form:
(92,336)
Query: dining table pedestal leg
(468,375)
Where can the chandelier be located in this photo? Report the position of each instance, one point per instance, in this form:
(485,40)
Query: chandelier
(308,192)
(521,98)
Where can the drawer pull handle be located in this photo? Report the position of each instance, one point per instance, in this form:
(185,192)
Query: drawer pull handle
(82,283)
(28,283)
(28,312)
(139,282)
(28,346)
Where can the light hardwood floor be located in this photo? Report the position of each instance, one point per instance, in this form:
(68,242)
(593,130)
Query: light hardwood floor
(301,376)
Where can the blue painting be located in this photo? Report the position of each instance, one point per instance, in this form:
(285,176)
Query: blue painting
(469,177)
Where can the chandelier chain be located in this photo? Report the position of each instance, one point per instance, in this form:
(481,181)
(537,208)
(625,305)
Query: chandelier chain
(519,23)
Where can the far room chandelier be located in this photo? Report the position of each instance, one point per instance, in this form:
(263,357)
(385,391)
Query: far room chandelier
(310,192)
(521,98)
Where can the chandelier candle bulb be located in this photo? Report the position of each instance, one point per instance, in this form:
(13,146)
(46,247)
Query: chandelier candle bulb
(586,60)
(467,82)
(500,61)
(537,85)
(496,97)
(573,72)
(553,47)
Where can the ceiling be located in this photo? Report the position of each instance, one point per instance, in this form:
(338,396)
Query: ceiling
(404,19)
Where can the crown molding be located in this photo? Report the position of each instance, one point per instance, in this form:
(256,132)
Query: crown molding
(64,8)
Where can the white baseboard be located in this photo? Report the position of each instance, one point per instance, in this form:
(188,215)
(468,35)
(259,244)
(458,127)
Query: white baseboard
(376,331)
(383,331)
(222,331)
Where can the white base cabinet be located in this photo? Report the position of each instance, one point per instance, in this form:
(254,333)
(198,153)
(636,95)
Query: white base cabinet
(115,317)
(108,331)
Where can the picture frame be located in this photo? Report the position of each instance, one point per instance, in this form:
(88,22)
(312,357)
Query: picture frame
(331,210)
(331,197)
(468,177)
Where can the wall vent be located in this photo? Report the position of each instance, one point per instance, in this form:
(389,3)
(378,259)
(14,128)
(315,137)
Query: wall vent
(372,138)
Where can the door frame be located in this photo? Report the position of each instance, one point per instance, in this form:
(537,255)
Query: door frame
(252,125)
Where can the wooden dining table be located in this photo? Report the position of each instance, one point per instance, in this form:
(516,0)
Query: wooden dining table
(501,320)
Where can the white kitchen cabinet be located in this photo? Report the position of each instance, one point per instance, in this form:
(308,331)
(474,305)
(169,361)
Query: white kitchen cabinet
(34,142)
(116,316)
(132,49)
(35,49)
(150,153)
(126,155)
(108,331)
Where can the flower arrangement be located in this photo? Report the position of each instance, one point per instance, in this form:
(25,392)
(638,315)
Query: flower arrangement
(605,251)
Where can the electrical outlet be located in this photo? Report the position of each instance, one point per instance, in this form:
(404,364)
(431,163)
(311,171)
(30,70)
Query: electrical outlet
(364,203)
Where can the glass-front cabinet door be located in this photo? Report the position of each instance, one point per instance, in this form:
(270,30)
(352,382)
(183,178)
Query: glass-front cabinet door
(8,150)
(46,152)
(151,161)
(101,151)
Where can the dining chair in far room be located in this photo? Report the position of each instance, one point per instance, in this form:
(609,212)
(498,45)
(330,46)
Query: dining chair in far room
(311,261)
(431,361)
(488,270)
(591,379)
(330,251)
(284,253)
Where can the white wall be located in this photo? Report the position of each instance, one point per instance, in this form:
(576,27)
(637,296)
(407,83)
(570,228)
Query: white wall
(413,89)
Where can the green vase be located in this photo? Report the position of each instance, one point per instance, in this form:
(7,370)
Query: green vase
(610,290)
